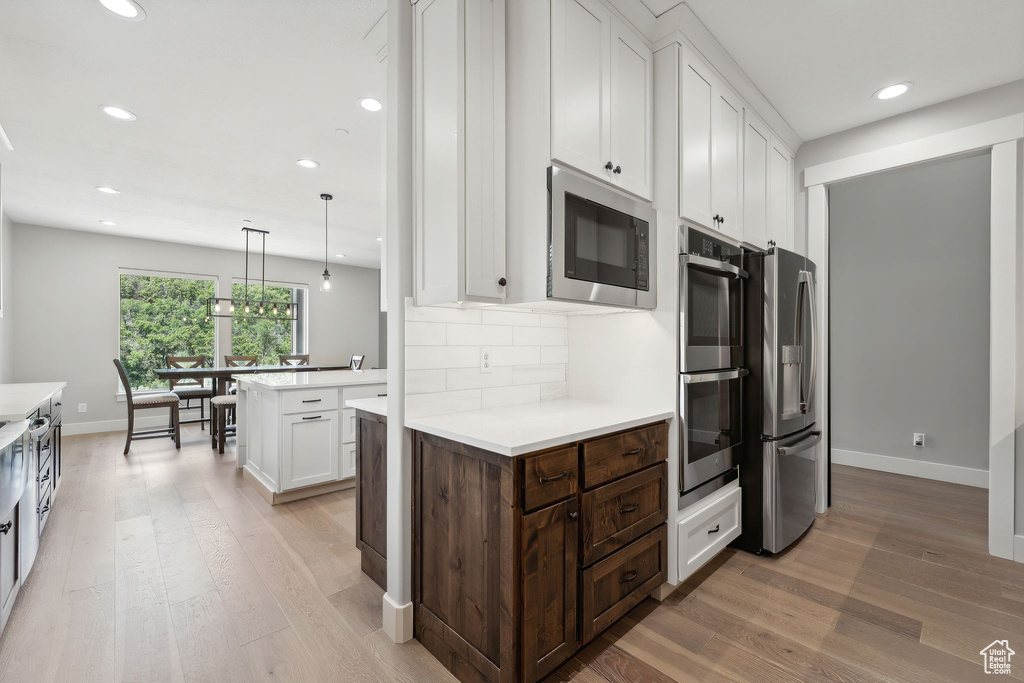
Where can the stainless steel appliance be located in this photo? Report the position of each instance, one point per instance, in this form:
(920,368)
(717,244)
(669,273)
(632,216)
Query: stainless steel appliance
(778,470)
(712,282)
(601,243)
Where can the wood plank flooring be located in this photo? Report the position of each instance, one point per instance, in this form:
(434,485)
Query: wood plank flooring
(168,566)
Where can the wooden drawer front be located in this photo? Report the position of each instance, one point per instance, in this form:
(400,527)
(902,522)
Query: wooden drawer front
(704,533)
(549,477)
(616,584)
(306,400)
(621,454)
(616,513)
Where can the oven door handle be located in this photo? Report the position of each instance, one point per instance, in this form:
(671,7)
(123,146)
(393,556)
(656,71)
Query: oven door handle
(712,264)
(696,378)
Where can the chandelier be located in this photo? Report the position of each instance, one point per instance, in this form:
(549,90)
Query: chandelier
(247,306)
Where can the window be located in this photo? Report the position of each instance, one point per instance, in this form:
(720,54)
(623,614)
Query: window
(163,315)
(266,337)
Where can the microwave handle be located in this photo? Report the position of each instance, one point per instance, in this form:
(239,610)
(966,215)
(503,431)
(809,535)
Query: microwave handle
(696,378)
(712,264)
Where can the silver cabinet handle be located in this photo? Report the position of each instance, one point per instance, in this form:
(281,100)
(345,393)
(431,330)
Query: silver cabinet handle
(712,264)
(813,440)
(696,378)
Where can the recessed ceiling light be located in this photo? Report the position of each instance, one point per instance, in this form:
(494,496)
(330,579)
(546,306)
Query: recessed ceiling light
(370,104)
(108,190)
(378,239)
(307,163)
(891,91)
(117,112)
(126,9)
(340,255)
(107,223)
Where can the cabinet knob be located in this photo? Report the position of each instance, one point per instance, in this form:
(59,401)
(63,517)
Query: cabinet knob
(4,528)
(502,282)
(716,218)
(573,515)
(618,169)
(608,166)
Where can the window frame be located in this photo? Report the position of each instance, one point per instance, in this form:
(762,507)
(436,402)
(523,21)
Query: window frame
(300,326)
(119,394)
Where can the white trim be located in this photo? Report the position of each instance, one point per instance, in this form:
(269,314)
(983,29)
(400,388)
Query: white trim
(157,419)
(954,474)
(397,620)
(978,136)
(1018,548)
(817,251)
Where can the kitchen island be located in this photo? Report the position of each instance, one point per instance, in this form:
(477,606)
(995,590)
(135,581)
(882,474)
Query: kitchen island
(295,437)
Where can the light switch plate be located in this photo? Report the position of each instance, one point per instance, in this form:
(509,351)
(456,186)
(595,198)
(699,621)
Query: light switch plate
(919,438)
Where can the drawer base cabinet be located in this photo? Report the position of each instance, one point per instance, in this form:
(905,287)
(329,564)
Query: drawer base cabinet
(520,562)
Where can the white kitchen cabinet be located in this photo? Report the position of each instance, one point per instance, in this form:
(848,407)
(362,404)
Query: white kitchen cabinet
(601,95)
(711,155)
(348,460)
(309,448)
(781,198)
(756,158)
(459,151)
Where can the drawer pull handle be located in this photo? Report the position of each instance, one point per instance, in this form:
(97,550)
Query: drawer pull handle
(635,451)
(311,400)
(629,577)
(629,508)
(44,510)
(573,515)
(715,530)
(556,477)
(4,528)
(46,478)
(314,417)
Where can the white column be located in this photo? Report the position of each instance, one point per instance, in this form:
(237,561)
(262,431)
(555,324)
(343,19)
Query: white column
(397,620)
(817,251)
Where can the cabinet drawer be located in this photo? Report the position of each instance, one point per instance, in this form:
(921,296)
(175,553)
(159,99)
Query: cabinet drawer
(44,508)
(615,456)
(365,391)
(705,532)
(348,425)
(549,477)
(616,584)
(616,513)
(43,479)
(306,400)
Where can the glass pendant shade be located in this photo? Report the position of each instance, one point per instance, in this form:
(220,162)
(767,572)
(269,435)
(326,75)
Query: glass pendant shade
(325,282)
(325,279)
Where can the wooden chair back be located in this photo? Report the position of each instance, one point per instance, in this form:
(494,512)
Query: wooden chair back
(356,362)
(240,361)
(186,362)
(124,381)
(295,359)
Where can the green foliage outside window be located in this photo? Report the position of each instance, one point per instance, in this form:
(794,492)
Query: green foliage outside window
(263,337)
(160,317)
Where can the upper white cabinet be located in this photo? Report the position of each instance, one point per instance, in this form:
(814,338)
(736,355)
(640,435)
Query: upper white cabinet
(459,151)
(711,155)
(781,197)
(756,159)
(601,98)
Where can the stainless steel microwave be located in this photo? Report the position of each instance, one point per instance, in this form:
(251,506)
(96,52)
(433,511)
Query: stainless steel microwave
(601,243)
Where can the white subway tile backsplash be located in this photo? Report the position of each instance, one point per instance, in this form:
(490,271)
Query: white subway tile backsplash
(433,357)
(441,314)
(425,334)
(509,396)
(550,391)
(425,405)
(554,354)
(515,355)
(536,374)
(472,378)
(511,318)
(479,335)
(548,320)
(538,336)
(425,381)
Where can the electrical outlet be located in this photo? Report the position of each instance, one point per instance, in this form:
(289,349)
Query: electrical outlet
(918,438)
(485,360)
(82,407)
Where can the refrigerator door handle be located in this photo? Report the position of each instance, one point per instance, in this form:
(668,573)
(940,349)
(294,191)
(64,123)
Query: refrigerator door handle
(712,264)
(806,283)
(813,440)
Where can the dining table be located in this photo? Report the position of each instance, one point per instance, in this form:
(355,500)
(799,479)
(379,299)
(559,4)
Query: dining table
(218,375)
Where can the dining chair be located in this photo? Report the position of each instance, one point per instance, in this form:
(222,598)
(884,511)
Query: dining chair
(295,359)
(356,362)
(145,402)
(190,389)
(240,361)
(222,408)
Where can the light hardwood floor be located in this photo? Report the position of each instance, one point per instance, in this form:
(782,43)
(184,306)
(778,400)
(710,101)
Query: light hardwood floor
(167,565)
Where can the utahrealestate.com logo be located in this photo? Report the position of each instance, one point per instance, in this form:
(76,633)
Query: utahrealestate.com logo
(997,657)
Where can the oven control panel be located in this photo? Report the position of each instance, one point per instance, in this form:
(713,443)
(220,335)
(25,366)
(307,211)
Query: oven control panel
(701,243)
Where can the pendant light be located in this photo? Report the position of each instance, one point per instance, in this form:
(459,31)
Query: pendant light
(325,280)
(247,307)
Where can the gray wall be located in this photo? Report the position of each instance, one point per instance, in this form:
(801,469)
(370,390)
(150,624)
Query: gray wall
(66,304)
(909,258)
(6,327)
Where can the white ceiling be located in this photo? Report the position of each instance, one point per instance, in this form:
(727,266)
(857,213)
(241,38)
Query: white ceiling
(819,61)
(228,94)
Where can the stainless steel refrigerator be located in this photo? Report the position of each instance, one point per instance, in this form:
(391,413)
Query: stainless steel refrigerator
(777,471)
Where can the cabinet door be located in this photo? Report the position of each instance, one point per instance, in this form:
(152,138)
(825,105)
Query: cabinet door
(727,160)
(696,96)
(781,196)
(371,497)
(348,460)
(756,149)
(310,449)
(550,624)
(632,73)
(580,81)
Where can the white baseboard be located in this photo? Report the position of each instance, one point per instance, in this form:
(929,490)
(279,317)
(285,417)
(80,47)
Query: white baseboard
(1018,548)
(397,620)
(148,422)
(914,468)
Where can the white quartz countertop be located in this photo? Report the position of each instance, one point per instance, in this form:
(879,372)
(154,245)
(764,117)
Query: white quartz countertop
(515,430)
(309,380)
(18,400)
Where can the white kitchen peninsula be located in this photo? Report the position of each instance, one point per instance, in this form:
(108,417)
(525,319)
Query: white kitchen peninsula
(295,437)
